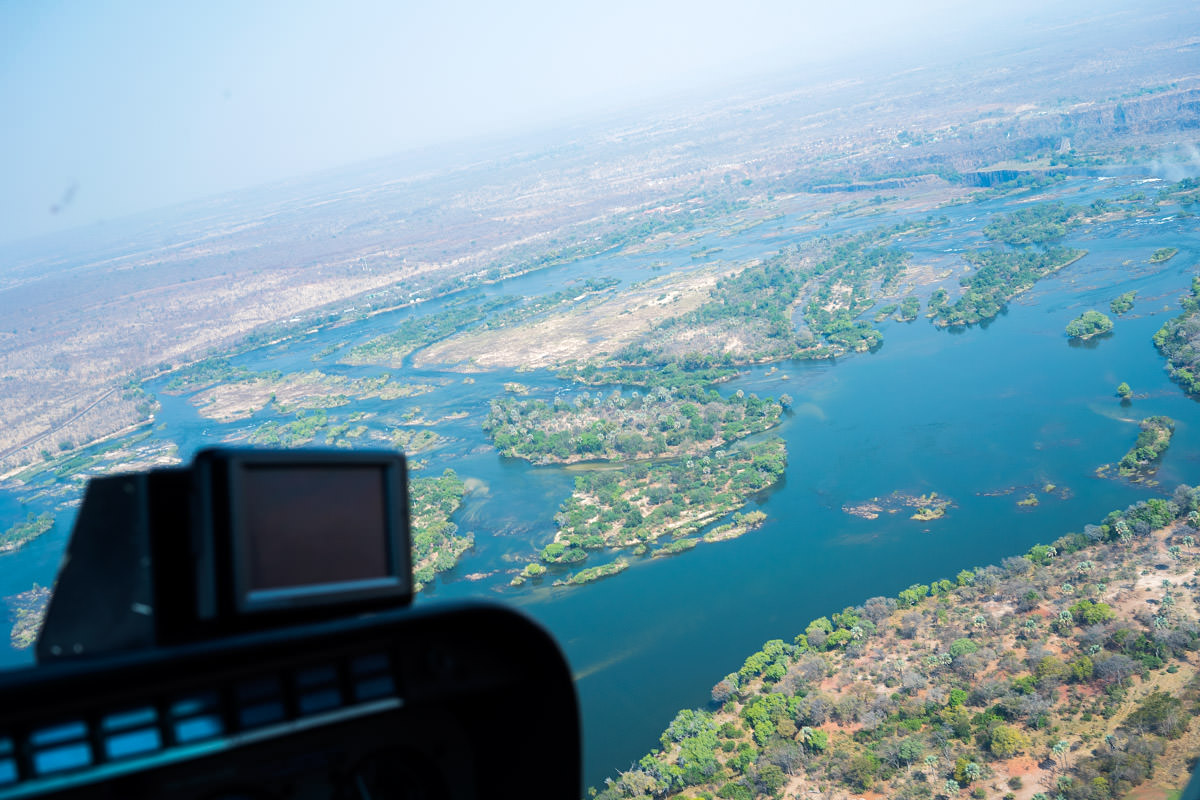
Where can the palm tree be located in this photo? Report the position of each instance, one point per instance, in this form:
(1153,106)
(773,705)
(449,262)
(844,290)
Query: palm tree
(1059,752)
(804,736)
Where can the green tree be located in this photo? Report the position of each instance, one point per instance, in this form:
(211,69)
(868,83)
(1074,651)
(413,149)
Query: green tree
(1159,713)
(1088,324)
(1124,391)
(862,770)
(962,647)
(1007,741)
(1088,612)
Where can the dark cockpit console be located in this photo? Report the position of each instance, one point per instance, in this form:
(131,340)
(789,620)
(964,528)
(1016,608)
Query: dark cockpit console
(239,629)
(240,540)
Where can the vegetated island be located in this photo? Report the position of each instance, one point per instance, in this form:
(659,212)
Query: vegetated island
(417,441)
(910,307)
(57,474)
(672,376)
(1163,254)
(1068,672)
(1141,462)
(1087,325)
(1124,390)
(499,313)
(224,393)
(25,532)
(1123,304)
(352,430)
(594,573)
(999,273)
(751,317)
(928,506)
(1179,341)
(803,302)
(635,506)
(250,392)
(436,544)
(27,610)
(390,349)
(662,422)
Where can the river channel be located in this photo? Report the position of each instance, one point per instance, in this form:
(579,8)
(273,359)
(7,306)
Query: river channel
(983,416)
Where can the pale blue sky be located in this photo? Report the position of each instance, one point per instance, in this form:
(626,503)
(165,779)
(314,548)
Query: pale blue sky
(111,108)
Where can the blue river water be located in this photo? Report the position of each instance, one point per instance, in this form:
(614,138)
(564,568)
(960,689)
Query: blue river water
(983,416)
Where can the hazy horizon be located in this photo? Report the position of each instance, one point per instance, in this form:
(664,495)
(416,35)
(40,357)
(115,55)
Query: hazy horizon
(118,109)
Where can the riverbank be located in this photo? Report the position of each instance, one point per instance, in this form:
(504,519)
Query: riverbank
(1042,672)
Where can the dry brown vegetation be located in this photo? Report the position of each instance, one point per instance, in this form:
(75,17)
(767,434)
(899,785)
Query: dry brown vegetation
(1072,671)
(309,390)
(595,330)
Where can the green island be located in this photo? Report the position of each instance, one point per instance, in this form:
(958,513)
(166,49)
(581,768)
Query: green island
(300,431)
(748,317)
(1179,340)
(206,372)
(672,548)
(755,302)
(1123,304)
(1041,224)
(594,573)
(1045,672)
(25,532)
(502,312)
(295,391)
(436,545)
(741,523)
(416,441)
(844,288)
(318,425)
(1000,274)
(27,610)
(660,422)
(1124,390)
(1154,437)
(122,453)
(636,505)
(670,375)
(534,306)
(390,349)
(1087,325)
(1163,254)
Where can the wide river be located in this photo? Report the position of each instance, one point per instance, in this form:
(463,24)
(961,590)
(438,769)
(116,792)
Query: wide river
(983,416)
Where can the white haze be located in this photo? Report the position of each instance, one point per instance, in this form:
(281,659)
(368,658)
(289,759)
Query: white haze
(116,107)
